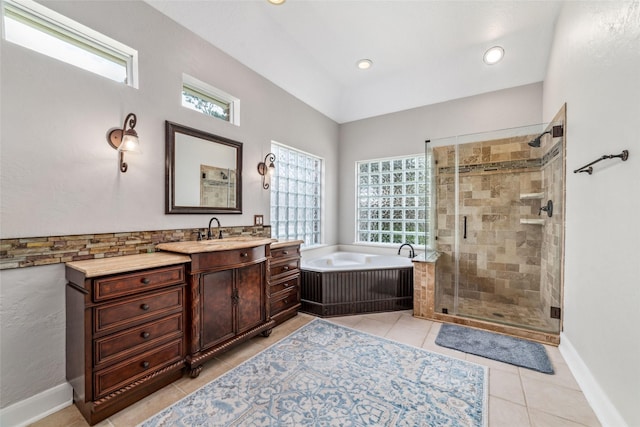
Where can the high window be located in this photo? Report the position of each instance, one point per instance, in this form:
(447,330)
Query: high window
(393,198)
(296,196)
(206,99)
(35,27)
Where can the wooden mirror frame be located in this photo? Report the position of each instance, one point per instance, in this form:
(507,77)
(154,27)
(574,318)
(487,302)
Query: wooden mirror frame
(170,152)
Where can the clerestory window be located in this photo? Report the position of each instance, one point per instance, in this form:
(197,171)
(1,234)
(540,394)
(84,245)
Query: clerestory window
(206,99)
(35,27)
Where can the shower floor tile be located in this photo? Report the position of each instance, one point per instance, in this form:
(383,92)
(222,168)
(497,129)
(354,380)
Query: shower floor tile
(506,314)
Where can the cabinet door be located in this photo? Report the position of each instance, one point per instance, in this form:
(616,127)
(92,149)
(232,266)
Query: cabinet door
(251,296)
(217,307)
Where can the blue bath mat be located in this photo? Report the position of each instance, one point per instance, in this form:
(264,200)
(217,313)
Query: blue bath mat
(499,347)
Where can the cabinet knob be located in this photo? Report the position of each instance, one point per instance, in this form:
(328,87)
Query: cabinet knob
(145,365)
(145,335)
(145,281)
(288,285)
(145,307)
(244,254)
(286,301)
(285,252)
(285,268)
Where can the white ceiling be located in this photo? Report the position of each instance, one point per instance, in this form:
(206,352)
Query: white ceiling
(423,51)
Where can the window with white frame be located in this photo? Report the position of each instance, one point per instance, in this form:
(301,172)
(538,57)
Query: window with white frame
(393,197)
(206,99)
(31,25)
(296,196)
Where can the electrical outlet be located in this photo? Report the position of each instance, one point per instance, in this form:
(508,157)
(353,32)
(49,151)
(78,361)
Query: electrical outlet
(258,220)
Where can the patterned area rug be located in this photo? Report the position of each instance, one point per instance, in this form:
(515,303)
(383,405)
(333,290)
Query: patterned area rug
(325,374)
(515,351)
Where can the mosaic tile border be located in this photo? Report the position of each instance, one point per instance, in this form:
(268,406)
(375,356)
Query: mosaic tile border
(32,251)
(506,166)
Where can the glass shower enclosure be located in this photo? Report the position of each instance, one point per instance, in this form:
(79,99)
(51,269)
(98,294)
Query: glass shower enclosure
(499,226)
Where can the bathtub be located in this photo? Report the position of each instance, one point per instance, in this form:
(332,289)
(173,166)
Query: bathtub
(343,283)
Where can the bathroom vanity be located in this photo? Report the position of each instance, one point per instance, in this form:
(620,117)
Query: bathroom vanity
(134,323)
(125,334)
(284,283)
(227,282)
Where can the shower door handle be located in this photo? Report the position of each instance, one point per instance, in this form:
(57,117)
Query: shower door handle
(464,235)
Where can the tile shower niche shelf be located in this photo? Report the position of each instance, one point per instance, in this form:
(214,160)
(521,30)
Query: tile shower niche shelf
(532,196)
(534,221)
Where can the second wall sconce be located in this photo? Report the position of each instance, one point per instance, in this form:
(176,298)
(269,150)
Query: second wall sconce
(124,139)
(266,169)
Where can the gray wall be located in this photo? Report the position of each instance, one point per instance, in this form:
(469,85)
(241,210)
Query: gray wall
(595,68)
(59,175)
(404,133)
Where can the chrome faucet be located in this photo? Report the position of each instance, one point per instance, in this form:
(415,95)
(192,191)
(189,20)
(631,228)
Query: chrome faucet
(209,233)
(412,252)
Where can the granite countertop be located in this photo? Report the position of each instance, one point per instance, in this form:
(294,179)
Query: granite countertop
(122,264)
(174,253)
(283,243)
(214,245)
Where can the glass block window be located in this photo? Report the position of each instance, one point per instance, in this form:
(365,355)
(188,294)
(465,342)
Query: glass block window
(35,27)
(206,99)
(296,196)
(393,198)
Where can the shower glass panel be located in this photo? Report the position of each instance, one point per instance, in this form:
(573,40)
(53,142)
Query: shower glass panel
(499,239)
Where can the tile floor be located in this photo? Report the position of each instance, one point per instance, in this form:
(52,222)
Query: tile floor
(517,397)
(503,313)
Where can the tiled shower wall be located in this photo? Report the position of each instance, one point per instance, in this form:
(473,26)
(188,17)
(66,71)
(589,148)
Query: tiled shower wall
(508,255)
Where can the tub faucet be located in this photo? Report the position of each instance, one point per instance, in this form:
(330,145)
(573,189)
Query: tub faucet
(412,252)
(209,233)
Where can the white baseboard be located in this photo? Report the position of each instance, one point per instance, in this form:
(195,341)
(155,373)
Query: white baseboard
(606,412)
(37,407)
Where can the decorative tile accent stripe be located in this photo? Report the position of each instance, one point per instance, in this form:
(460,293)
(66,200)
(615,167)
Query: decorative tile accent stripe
(32,251)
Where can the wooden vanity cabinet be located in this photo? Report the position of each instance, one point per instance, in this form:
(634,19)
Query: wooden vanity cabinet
(229,301)
(284,283)
(125,333)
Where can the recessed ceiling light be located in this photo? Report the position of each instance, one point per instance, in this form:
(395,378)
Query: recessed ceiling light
(276,2)
(363,64)
(493,55)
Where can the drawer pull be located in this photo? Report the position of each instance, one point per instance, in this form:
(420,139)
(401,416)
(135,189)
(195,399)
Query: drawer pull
(285,252)
(286,301)
(145,307)
(285,268)
(145,281)
(244,254)
(145,365)
(288,285)
(145,335)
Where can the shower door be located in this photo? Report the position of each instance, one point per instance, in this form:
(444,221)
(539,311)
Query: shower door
(501,255)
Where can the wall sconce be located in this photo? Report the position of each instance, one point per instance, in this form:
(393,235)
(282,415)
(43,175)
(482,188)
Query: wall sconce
(124,140)
(265,170)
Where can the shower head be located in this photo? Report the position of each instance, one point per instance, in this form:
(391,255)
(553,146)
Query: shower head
(536,141)
(556,131)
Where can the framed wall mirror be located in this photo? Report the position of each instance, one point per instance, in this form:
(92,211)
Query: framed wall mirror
(203,172)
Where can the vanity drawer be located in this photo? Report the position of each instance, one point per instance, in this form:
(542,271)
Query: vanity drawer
(286,284)
(286,252)
(136,340)
(286,301)
(283,269)
(114,378)
(126,284)
(138,310)
(231,258)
